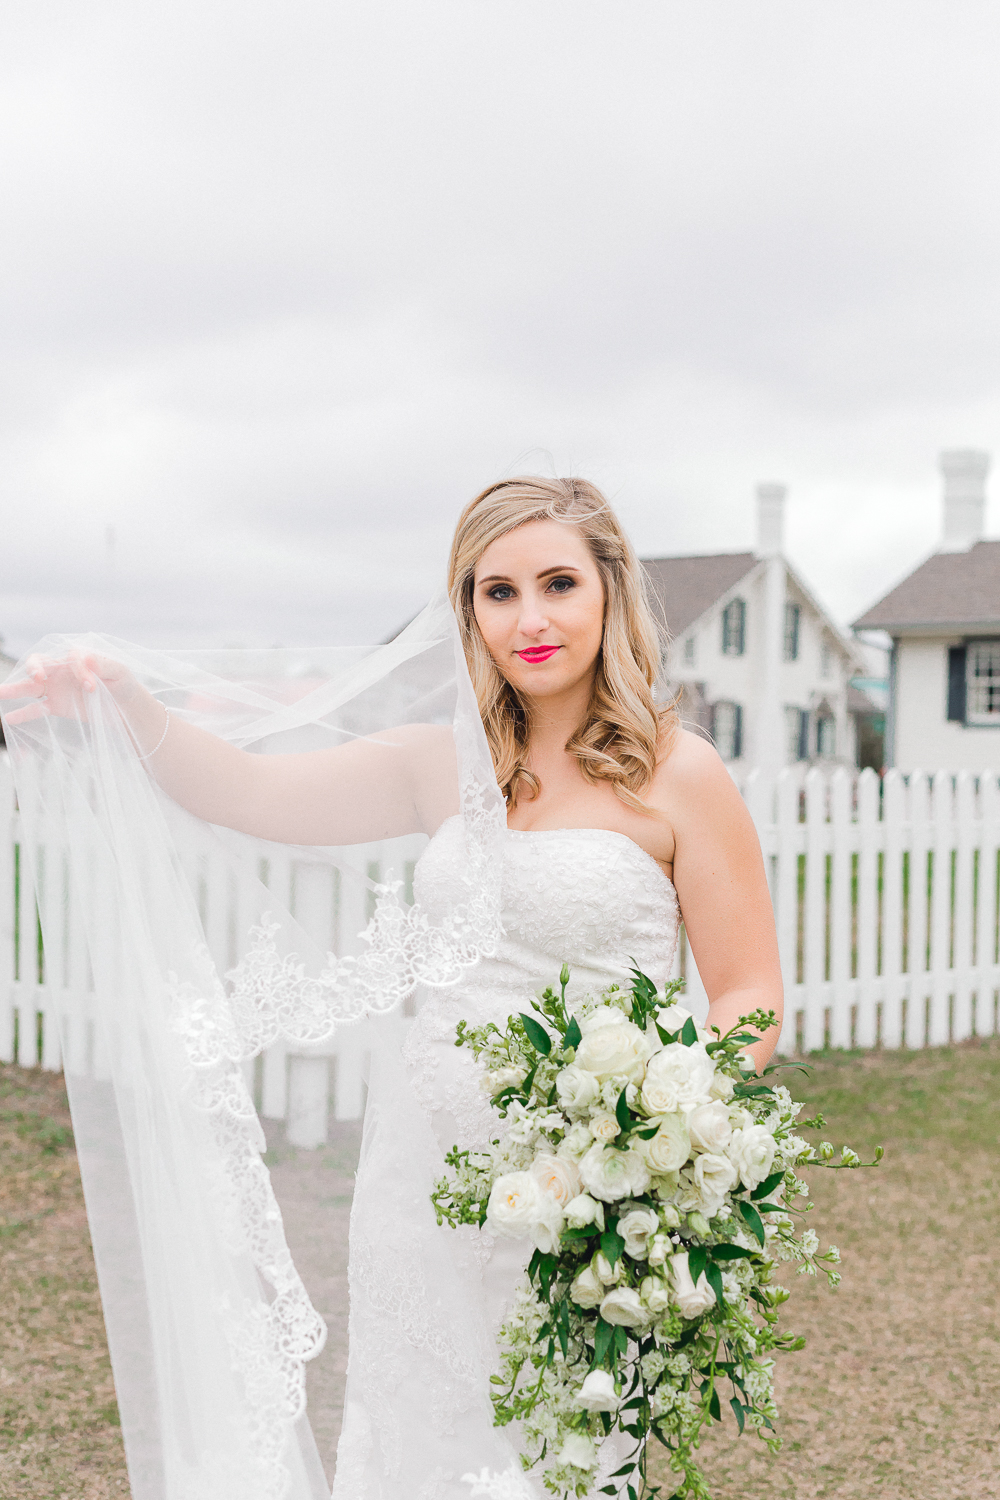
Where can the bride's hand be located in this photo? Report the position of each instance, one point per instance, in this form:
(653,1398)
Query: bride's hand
(58,686)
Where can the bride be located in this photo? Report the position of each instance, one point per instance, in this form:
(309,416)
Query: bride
(568,819)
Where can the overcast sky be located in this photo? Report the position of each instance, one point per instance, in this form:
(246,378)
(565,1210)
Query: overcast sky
(284,284)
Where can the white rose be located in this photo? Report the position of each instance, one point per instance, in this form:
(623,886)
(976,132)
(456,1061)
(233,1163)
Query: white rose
(722,1086)
(691,1300)
(514,1204)
(578,1449)
(713,1176)
(678,1077)
(586,1289)
(613,1049)
(576,1142)
(609,1175)
(558,1175)
(710,1127)
(636,1227)
(502,1078)
(739,1117)
(623,1306)
(669,1148)
(606,1273)
(598,1392)
(672,1017)
(584,1210)
(548,1223)
(604,1126)
(604,1015)
(659,1250)
(575,1089)
(752,1153)
(654,1294)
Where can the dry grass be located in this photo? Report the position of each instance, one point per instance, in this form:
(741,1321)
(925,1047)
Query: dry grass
(59,1431)
(897,1393)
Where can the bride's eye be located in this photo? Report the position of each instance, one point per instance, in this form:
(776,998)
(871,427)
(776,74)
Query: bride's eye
(562,585)
(500,592)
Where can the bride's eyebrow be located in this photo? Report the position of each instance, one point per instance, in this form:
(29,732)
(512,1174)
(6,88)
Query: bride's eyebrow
(545,573)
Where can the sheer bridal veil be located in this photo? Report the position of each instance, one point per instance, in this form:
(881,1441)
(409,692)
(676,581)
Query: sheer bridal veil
(179,953)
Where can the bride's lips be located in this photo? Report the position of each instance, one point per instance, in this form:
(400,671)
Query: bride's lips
(537,653)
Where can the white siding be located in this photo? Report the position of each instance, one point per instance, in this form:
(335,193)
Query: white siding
(923,735)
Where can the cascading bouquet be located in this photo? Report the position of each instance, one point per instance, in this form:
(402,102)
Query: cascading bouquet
(655,1173)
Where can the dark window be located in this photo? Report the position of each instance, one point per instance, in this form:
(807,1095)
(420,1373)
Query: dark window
(956,684)
(727,730)
(734,626)
(982,682)
(792,614)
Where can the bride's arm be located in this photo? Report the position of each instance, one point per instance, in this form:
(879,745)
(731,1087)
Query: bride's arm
(722,888)
(398,781)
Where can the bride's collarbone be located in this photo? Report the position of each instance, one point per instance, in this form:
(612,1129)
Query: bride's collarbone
(655,839)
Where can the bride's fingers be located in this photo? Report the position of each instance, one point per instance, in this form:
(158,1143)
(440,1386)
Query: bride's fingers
(22,689)
(82,667)
(33,711)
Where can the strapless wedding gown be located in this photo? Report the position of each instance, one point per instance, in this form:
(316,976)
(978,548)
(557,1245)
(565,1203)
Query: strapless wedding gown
(426,1302)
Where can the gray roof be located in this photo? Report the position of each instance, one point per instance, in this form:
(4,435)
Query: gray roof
(950,589)
(687,586)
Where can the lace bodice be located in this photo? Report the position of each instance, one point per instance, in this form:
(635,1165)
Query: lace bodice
(587,897)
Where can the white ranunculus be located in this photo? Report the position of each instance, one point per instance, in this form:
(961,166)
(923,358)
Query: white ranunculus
(655,1294)
(713,1176)
(582,1210)
(514,1204)
(604,1015)
(752,1154)
(669,1148)
(558,1175)
(502,1078)
(636,1229)
(576,1089)
(576,1142)
(691,1300)
(740,1117)
(610,1175)
(623,1306)
(578,1449)
(660,1250)
(710,1127)
(586,1290)
(604,1126)
(612,1048)
(678,1077)
(548,1223)
(598,1392)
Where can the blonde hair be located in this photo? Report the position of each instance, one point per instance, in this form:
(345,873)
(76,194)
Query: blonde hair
(619,739)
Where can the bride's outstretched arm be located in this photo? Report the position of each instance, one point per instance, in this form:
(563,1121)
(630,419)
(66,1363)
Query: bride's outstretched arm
(399,781)
(722,889)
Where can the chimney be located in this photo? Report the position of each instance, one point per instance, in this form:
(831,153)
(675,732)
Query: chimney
(964,471)
(770,519)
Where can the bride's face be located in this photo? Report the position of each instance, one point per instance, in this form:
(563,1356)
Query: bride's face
(539,603)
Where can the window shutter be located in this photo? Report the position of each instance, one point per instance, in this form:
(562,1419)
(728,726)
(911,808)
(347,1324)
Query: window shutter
(737,731)
(956,683)
(741,626)
(803,734)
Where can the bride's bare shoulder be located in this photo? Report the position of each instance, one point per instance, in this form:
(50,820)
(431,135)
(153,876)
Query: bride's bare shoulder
(690,771)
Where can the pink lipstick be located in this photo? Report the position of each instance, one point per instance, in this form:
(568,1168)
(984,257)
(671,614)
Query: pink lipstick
(537,653)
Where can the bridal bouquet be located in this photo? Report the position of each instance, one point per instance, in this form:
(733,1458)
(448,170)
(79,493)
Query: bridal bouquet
(655,1174)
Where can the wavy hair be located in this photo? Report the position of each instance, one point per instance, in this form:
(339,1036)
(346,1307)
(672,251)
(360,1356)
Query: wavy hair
(624,727)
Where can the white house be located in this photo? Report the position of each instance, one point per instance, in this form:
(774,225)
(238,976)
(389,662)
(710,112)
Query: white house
(944,621)
(759,662)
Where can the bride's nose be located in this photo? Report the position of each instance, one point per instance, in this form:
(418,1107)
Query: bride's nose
(533,619)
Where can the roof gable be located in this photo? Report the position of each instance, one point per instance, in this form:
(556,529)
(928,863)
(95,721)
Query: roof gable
(950,589)
(688,586)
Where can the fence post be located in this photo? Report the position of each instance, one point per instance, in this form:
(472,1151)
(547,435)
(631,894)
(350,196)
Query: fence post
(916,948)
(866,1030)
(842,849)
(893,817)
(787,900)
(817,836)
(987,977)
(7,898)
(964,916)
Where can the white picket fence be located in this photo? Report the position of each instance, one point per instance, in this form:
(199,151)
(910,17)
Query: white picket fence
(886,896)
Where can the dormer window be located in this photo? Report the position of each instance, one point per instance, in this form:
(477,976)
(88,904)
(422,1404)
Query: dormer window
(792,617)
(734,628)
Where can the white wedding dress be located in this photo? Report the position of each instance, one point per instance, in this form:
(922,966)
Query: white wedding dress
(426,1302)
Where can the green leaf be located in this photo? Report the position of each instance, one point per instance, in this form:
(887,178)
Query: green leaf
(573,1036)
(697,1261)
(771,1208)
(689,1032)
(536,1034)
(602,1341)
(714,1278)
(751,1219)
(768,1185)
(612,1244)
(584,1232)
(623,1114)
(739,1411)
(714,1409)
(621,1339)
(666,1037)
(646,1135)
(731,1252)
(752,1090)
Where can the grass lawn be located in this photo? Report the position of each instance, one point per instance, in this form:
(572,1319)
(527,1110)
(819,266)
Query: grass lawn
(897,1393)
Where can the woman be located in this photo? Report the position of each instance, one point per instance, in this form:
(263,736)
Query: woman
(612,815)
